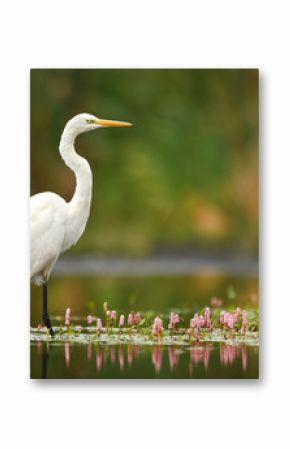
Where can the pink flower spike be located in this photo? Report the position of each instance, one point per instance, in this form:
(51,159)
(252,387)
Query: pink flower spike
(201,320)
(207,312)
(105,306)
(99,324)
(108,313)
(67,317)
(175,318)
(226,317)
(121,321)
(89,319)
(192,323)
(130,320)
(207,317)
(216,302)
(113,314)
(222,317)
(137,318)
(230,321)
(157,327)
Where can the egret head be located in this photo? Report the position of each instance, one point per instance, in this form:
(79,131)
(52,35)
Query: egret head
(82,123)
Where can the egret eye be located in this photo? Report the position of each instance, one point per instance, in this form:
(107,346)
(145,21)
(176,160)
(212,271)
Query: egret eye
(91,121)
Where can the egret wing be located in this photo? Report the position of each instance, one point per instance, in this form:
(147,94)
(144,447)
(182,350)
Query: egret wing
(47,230)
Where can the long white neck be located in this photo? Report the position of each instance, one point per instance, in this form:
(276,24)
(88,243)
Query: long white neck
(79,206)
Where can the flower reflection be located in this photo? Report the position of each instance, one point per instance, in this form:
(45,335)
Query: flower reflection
(230,353)
(99,358)
(198,354)
(89,351)
(121,358)
(156,357)
(112,355)
(206,357)
(67,353)
(129,355)
(172,356)
(244,358)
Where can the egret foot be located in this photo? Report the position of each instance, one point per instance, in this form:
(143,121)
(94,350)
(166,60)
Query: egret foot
(47,323)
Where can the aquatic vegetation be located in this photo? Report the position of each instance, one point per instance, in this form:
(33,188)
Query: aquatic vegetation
(207,325)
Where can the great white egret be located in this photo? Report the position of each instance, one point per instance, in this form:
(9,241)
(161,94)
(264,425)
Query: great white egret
(56,225)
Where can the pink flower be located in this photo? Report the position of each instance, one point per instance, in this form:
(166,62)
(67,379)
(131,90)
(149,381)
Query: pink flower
(201,321)
(113,314)
(137,318)
(207,313)
(121,321)
(67,317)
(222,317)
(108,313)
(89,319)
(157,327)
(130,320)
(216,302)
(207,317)
(230,321)
(99,324)
(175,318)
(192,323)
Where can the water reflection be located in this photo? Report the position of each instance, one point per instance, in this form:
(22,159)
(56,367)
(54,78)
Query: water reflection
(67,353)
(89,351)
(156,357)
(199,354)
(172,357)
(123,357)
(99,358)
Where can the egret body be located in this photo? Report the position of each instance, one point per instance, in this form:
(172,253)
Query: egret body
(56,225)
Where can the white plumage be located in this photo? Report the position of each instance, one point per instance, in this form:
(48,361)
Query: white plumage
(56,225)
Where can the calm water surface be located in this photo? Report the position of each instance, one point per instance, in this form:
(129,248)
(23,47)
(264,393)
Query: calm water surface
(95,361)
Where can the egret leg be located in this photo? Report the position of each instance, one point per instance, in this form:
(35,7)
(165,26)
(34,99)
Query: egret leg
(45,315)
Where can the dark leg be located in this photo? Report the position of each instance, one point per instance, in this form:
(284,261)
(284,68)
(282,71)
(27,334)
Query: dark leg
(45,315)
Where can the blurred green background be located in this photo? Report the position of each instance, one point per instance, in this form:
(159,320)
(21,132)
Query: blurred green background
(184,177)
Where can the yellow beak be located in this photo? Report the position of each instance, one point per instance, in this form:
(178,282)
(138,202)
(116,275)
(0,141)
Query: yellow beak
(112,123)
